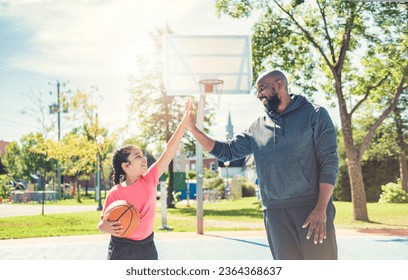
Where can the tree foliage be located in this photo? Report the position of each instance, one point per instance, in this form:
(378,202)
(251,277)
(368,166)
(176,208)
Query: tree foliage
(353,51)
(27,158)
(3,169)
(156,113)
(77,152)
(84,110)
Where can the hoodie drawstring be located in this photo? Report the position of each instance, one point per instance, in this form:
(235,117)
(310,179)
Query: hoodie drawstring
(274,132)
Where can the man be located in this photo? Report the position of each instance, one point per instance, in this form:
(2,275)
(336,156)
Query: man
(295,151)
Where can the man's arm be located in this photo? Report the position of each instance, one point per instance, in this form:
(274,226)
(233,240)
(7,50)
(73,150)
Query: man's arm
(317,218)
(326,151)
(236,148)
(206,141)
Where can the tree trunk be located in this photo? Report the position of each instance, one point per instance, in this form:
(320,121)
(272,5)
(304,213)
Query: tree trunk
(400,142)
(358,194)
(78,189)
(170,188)
(403,171)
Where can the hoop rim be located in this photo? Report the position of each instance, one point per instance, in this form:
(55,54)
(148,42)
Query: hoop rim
(211,82)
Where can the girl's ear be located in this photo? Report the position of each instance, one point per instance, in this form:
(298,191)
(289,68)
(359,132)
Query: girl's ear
(124,165)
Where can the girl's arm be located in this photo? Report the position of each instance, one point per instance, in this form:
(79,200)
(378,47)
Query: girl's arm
(115,228)
(172,146)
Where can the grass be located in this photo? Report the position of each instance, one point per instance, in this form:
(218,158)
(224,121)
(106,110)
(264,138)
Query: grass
(49,225)
(381,216)
(85,200)
(240,214)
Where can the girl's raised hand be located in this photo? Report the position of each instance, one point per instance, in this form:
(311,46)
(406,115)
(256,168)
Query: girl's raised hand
(189,115)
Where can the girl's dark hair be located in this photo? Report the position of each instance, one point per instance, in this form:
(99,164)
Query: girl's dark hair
(120,156)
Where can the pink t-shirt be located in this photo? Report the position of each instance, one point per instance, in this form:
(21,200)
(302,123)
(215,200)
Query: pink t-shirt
(142,194)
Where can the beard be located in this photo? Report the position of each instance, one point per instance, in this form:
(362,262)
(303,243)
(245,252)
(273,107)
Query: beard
(273,102)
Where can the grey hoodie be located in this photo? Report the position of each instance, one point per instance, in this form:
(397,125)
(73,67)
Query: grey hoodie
(294,151)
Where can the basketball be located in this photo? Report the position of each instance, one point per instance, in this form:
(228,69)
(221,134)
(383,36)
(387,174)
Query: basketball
(127,214)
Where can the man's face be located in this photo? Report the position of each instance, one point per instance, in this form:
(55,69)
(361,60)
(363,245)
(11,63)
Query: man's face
(267,94)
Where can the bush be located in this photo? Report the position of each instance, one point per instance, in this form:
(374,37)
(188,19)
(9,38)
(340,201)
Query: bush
(209,174)
(375,174)
(5,187)
(191,175)
(393,193)
(248,189)
(216,183)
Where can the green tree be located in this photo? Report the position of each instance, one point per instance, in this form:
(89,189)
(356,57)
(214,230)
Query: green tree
(77,156)
(5,186)
(358,49)
(401,125)
(38,110)
(84,108)
(390,142)
(3,169)
(156,113)
(13,160)
(25,159)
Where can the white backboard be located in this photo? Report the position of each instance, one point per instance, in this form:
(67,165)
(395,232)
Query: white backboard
(187,59)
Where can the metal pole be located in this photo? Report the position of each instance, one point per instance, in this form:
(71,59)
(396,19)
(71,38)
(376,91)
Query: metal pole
(43,192)
(199,167)
(59,137)
(163,202)
(188,194)
(98,180)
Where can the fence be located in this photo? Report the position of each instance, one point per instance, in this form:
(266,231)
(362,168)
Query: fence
(24,196)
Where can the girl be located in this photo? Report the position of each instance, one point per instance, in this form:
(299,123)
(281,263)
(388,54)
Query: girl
(137,183)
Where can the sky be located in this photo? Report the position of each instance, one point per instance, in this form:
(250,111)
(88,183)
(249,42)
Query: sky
(90,43)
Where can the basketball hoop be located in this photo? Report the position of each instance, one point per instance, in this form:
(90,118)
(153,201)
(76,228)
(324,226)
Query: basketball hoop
(211,86)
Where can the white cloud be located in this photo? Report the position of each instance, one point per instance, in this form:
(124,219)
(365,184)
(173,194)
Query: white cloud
(96,42)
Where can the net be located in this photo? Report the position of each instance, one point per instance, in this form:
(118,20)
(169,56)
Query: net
(211,86)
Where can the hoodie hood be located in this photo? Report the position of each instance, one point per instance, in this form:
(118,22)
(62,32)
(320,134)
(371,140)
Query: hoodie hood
(279,118)
(297,101)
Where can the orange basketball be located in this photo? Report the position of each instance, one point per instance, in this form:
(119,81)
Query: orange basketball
(127,214)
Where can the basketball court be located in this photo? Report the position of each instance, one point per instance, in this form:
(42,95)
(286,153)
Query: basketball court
(239,245)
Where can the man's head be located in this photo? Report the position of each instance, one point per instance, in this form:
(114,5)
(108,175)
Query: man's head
(271,87)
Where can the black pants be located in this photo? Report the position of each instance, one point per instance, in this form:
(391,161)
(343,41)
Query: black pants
(287,239)
(127,249)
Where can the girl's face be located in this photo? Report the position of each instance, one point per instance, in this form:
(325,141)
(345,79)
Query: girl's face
(137,163)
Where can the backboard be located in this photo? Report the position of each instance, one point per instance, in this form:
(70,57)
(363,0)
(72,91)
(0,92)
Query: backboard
(187,59)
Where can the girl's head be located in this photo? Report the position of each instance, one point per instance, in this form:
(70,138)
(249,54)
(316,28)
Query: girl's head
(128,159)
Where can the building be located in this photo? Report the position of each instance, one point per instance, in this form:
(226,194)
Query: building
(250,169)
(3,145)
(209,162)
(181,161)
(229,128)
(233,168)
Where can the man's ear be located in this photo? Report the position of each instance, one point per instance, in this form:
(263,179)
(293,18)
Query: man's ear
(280,84)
